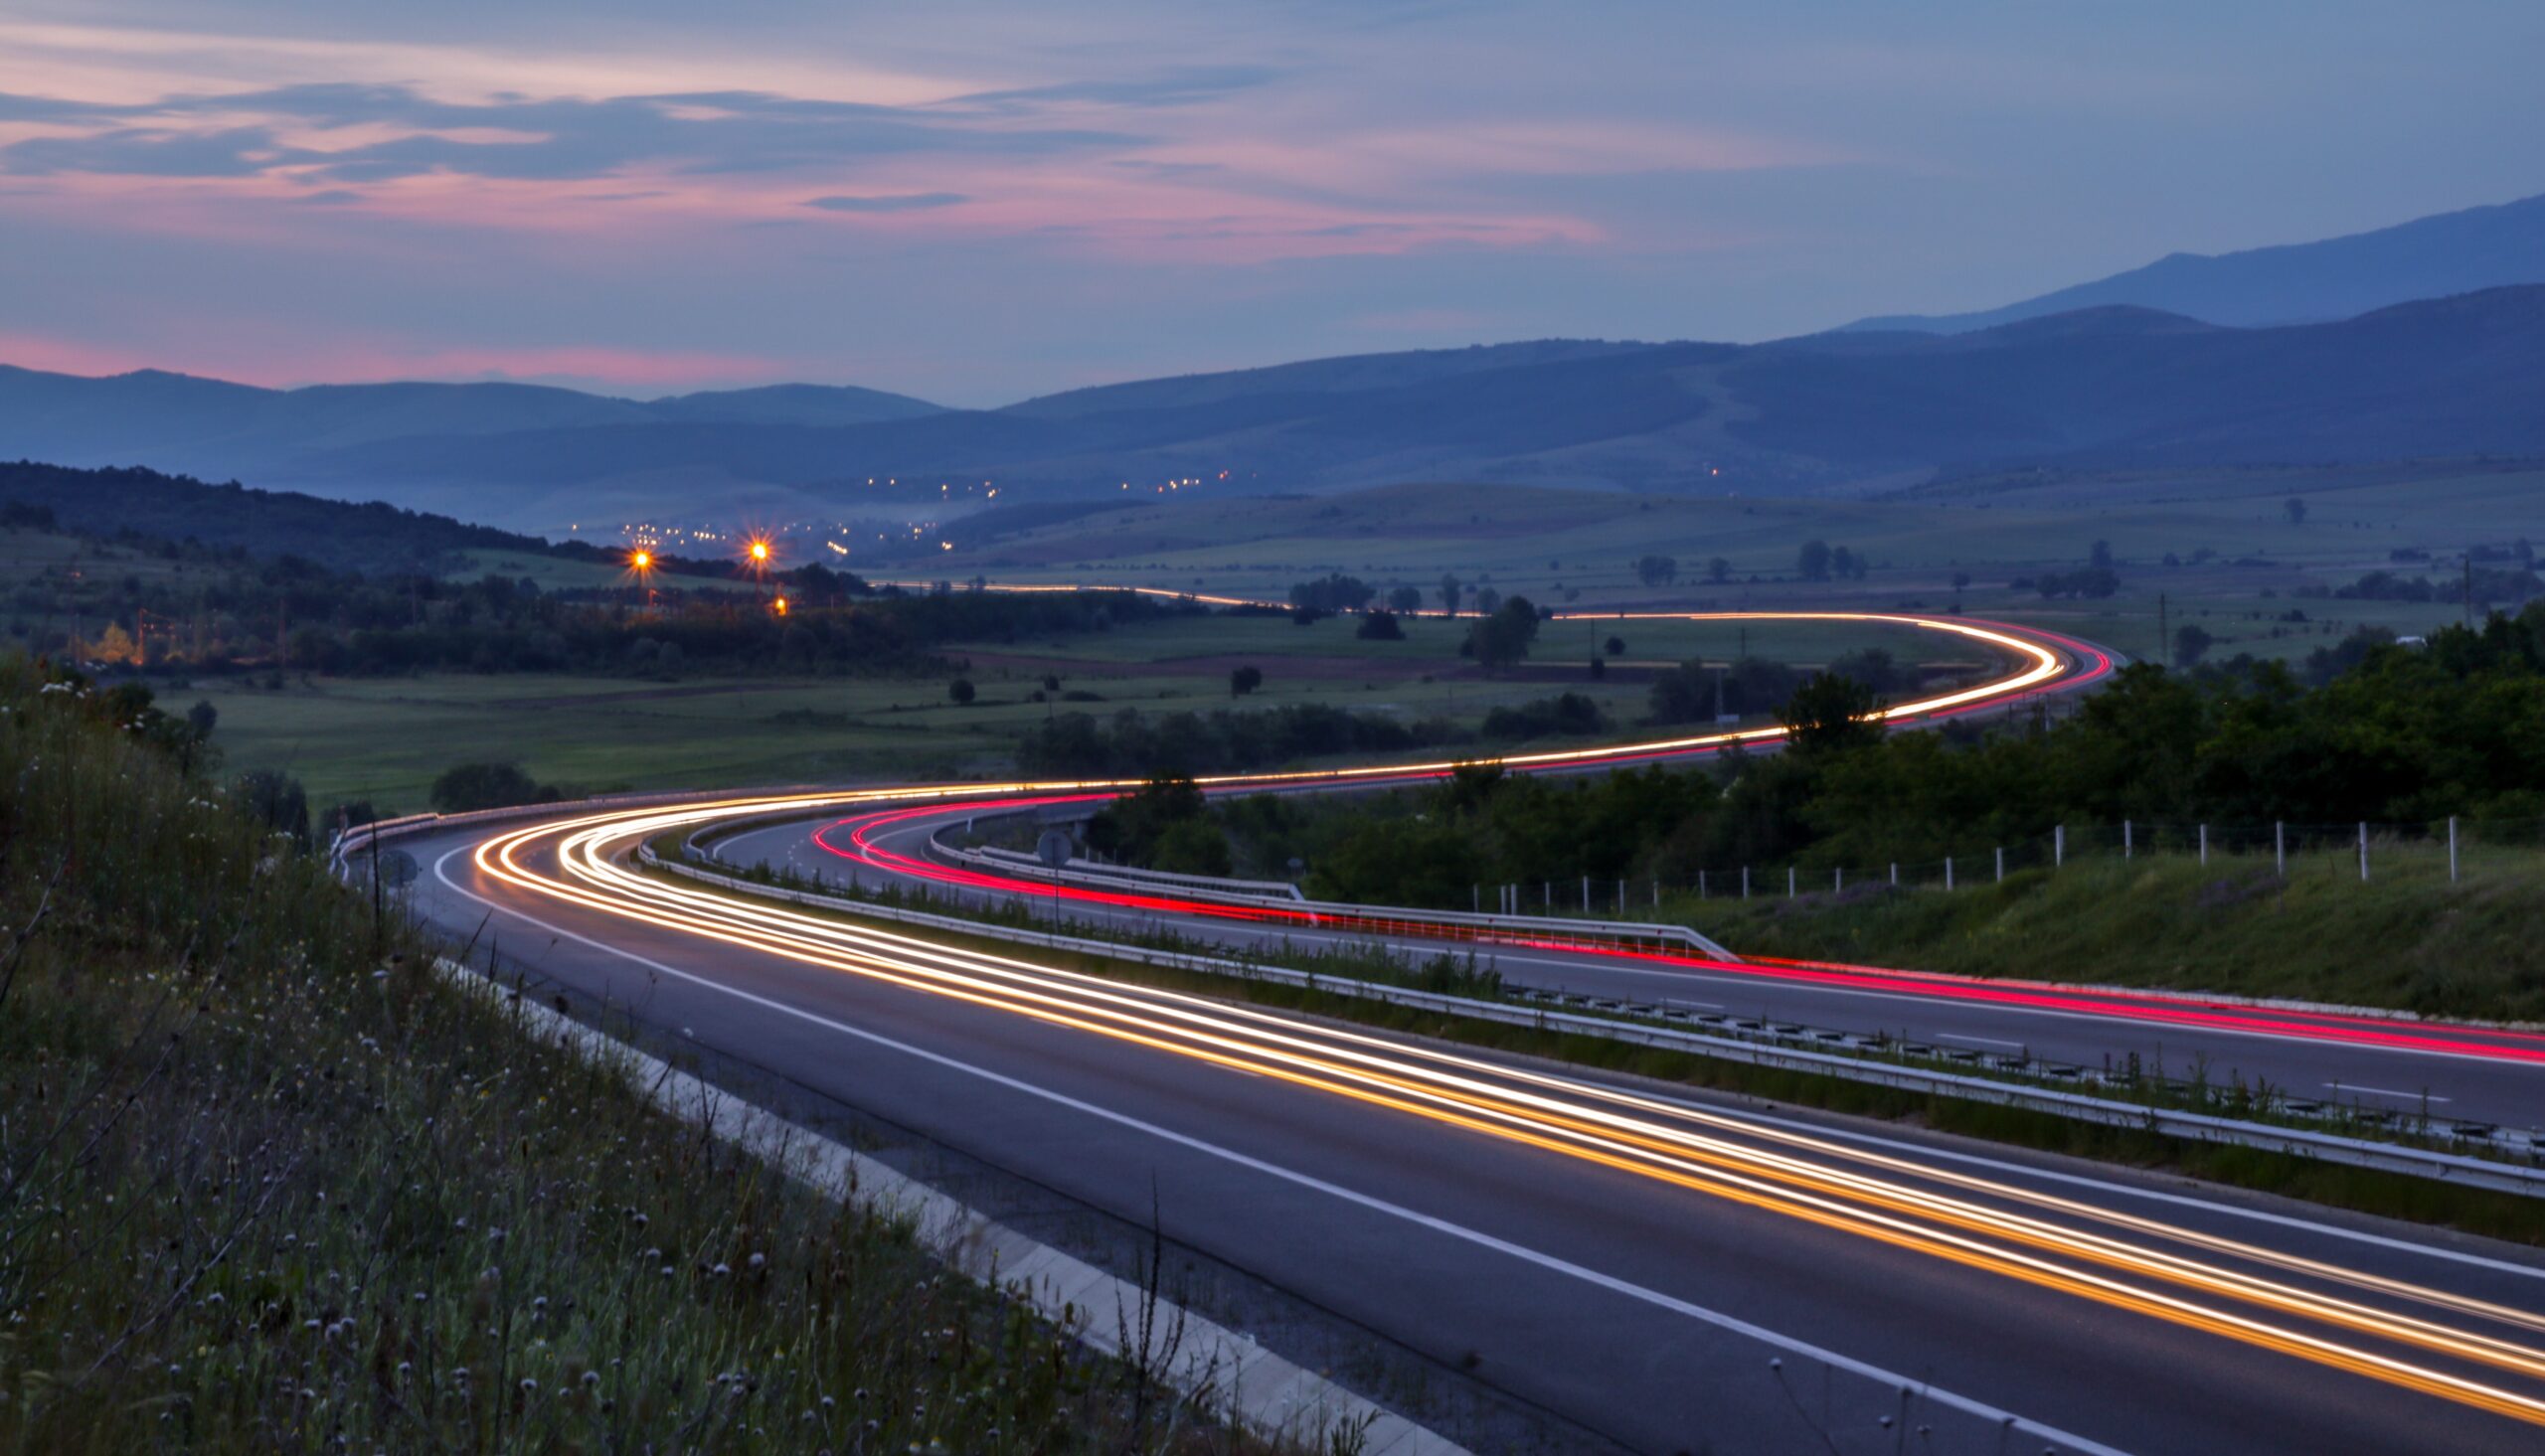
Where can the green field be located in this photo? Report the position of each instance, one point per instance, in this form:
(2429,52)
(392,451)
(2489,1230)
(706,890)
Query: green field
(384,739)
(1575,550)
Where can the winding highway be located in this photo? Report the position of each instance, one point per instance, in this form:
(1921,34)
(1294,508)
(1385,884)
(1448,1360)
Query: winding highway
(1651,1269)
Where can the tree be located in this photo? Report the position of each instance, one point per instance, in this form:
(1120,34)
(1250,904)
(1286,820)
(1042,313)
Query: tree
(1379,626)
(2296,506)
(1615,646)
(1404,599)
(1334,593)
(1829,714)
(2192,644)
(471,786)
(1718,569)
(1813,561)
(2099,555)
(961,691)
(1245,680)
(1132,827)
(1599,668)
(278,799)
(1656,571)
(1486,599)
(1450,591)
(1960,581)
(201,718)
(1503,638)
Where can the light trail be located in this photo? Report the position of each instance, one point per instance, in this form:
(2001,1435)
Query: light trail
(2184,1276)
(2474,1352)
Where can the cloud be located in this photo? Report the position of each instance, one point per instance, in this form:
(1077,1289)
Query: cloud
(895,201)
(403,133)
(1185,86)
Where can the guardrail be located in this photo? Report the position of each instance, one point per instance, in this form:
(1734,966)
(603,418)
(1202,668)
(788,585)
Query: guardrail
(2200,1127)
(1095,870)
(1542,932)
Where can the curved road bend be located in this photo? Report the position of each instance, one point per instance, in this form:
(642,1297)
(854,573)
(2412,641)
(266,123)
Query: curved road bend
(1669,1272)
(2451,1071)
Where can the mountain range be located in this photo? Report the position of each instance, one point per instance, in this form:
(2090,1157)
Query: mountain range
(2113,384)
(2300,283)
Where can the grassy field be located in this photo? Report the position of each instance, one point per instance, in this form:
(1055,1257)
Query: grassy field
(275,1184)
(2408,938)
(384,739)
(1575,548)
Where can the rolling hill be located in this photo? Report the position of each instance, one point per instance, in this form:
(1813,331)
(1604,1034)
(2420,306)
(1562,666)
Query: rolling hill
(1848,411)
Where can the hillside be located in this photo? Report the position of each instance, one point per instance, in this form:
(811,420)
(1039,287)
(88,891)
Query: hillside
(2300,283)
(1848,412)
(370,536)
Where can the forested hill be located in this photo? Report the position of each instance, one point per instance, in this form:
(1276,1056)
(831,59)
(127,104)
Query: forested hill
(370,538)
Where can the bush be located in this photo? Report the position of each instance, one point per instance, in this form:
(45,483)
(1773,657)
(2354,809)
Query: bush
(473,786)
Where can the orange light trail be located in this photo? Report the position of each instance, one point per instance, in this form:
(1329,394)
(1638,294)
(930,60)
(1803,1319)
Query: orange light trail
(2132,1262)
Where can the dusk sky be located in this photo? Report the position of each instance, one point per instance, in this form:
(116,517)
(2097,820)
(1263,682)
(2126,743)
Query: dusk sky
(975,203)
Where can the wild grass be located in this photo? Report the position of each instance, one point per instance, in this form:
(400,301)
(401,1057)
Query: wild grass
(2408,938)
(266,1182)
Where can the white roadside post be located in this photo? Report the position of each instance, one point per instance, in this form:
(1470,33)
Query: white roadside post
(1790,883)
(2058,846)
(2128,840)
(2363,852)
(2279,847)
(2001,864)
(2452,849)
(1895,873)
(1947,872)
(2204,844)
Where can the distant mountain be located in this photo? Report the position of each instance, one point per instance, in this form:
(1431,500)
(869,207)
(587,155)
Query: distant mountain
(1844,412)
(2300,283)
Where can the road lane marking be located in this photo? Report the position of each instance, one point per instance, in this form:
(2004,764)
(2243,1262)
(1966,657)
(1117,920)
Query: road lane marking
(1671,1303)
(1982,1041)
(2383,1093)
(1995,1165)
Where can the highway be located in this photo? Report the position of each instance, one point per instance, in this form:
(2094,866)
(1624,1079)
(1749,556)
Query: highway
(1653,1269)
(1629,1259)
(2471,1074)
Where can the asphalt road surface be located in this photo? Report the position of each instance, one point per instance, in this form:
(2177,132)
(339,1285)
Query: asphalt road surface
(1668,1271)
(2408,1067)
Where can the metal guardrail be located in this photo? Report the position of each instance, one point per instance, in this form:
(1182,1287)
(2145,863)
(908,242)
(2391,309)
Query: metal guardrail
(1097,870)
(1544,932)
(2199,1127)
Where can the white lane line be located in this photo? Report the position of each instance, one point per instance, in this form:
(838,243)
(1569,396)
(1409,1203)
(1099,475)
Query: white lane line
(1980,1040)
(2098,1185)
(1789,1343)
(2383,1093)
